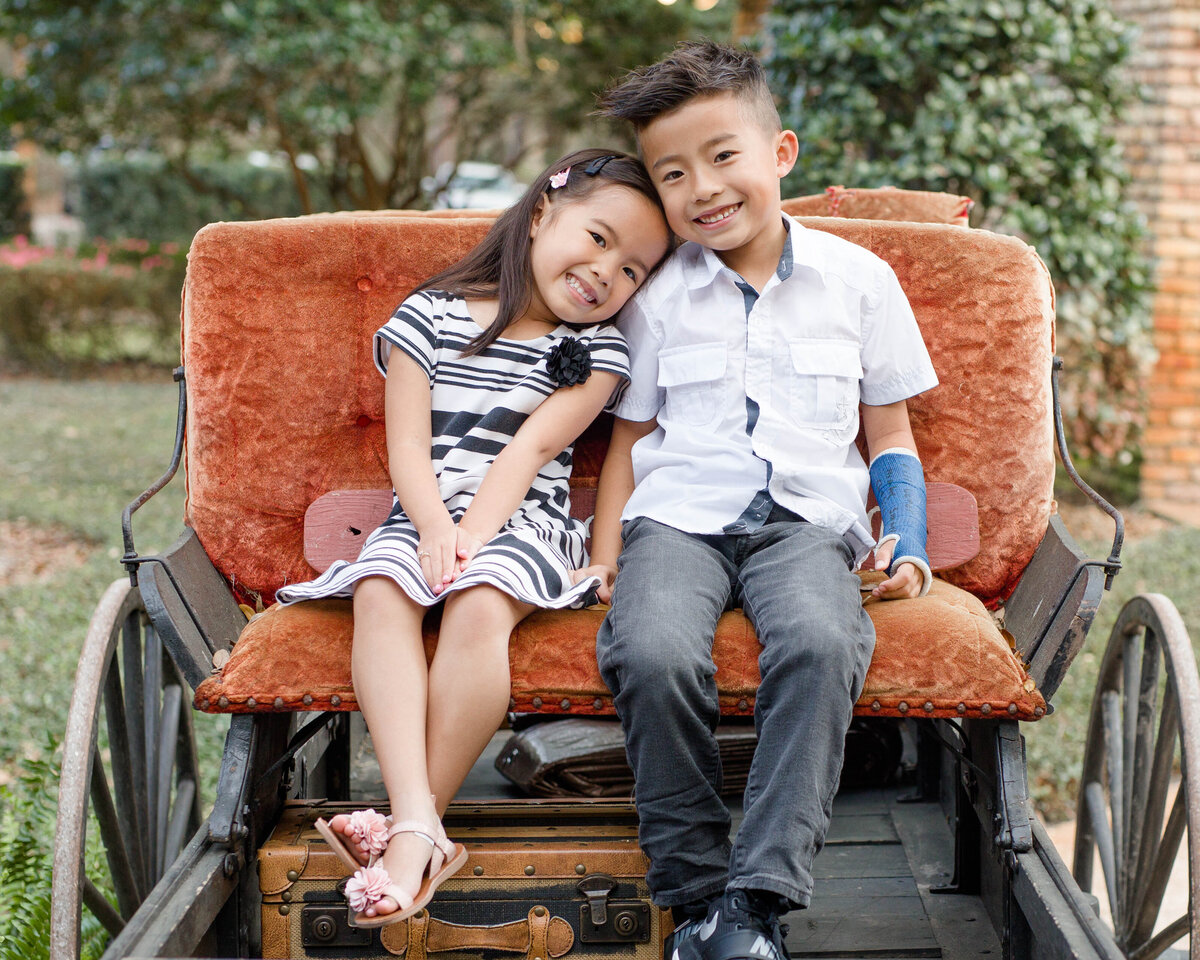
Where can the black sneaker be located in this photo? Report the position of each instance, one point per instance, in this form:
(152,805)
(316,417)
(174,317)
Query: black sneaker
(734,930)
(684,931)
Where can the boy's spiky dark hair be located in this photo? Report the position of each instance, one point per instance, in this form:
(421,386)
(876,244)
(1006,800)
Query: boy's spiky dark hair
(696,68)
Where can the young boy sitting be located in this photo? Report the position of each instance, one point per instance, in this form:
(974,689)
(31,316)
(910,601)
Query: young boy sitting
(734,470)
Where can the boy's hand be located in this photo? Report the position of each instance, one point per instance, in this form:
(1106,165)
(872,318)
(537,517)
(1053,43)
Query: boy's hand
(905,584)
(607,575)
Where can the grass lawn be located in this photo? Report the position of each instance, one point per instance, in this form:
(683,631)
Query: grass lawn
(74,453)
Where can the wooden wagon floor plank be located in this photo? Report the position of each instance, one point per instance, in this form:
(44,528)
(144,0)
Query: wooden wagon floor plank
(959,922)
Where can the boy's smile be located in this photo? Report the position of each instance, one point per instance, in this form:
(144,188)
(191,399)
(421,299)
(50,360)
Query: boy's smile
(717,170)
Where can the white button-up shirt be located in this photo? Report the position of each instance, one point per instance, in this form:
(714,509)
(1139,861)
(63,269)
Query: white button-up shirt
(838,331)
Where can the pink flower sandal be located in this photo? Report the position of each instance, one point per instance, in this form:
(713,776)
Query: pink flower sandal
(367,827)
(372,883)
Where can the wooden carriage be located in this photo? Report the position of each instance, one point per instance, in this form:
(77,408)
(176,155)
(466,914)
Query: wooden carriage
(280,406)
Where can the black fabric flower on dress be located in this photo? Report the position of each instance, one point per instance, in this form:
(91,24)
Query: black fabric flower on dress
(569,362)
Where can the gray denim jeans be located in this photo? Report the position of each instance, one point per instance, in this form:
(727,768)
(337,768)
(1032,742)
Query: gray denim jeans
(795,583)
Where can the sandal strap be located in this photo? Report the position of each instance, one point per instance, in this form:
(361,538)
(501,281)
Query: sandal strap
(413,826)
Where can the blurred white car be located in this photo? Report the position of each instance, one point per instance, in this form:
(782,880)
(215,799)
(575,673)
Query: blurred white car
(473,185)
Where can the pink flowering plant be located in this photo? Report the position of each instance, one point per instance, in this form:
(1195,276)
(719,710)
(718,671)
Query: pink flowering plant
(103,302)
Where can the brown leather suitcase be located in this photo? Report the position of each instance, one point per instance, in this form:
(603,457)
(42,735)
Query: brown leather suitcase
(544,879)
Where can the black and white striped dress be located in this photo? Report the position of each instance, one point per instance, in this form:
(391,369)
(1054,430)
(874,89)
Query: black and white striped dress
(478,404)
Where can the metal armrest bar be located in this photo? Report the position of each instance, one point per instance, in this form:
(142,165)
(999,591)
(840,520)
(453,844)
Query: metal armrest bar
(1113,565)
(130,559)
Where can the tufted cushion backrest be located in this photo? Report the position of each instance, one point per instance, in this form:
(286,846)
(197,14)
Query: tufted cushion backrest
(285,403)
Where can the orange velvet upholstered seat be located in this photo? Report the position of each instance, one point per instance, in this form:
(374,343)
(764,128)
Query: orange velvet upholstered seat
(285,405)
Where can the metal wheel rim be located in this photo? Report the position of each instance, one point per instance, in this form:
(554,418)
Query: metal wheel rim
(1138,734)
(152,754)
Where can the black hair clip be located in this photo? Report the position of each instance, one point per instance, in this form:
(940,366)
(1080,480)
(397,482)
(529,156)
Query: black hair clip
(597,165)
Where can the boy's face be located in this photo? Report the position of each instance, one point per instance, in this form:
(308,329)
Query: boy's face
(717,170)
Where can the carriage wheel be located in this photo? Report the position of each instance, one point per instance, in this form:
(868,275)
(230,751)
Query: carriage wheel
(129,757)
(1145,725)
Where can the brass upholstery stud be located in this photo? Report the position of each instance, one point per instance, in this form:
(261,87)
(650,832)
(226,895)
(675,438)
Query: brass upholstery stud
(293,876)
(529,871)
(537,703)
(308,699)
(251,702)
(580,868)
(929,706)
(478,871)
(1012,708)
(1038,711)
(223,702)
(279,703)
(335,701)
(985,709)
(566,704)
(902,707)
(597,704)
(284,909)
(876,706)
(286,895)
(539,911)
(743,704)
(961,708)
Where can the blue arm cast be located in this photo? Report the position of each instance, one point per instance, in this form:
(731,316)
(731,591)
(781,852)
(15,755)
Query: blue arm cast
(899,485)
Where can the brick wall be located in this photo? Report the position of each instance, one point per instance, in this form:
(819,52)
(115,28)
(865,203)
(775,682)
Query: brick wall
(1162,140)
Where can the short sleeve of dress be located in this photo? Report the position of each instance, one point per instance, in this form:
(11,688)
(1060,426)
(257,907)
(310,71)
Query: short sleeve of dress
(413,329)
(610,352)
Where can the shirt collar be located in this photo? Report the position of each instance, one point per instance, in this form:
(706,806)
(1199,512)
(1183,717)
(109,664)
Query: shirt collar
(702,265)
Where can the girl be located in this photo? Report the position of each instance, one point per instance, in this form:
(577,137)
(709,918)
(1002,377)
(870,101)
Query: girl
(493,369)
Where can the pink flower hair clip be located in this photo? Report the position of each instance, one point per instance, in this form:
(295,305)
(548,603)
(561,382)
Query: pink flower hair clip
(559,179)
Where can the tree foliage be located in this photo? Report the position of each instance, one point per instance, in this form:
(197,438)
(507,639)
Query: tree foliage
(369,89)
(1010,102)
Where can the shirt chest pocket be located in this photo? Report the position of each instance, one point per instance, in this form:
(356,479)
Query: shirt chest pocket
(694,380)
(823,382)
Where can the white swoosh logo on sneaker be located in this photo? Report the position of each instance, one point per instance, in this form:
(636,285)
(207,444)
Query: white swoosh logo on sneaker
(709,926)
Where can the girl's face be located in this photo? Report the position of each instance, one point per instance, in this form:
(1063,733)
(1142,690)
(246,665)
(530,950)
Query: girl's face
(588,256)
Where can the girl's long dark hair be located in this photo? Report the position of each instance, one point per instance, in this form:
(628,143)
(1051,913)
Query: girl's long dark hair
(499,265)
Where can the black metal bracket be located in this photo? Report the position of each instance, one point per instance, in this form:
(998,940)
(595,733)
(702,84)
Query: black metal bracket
(1014,833)
(131,559)
(1112,566)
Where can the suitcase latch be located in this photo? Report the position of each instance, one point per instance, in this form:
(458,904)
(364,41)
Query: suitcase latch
(596,887)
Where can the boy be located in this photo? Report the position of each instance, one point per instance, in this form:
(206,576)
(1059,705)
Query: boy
(734,470)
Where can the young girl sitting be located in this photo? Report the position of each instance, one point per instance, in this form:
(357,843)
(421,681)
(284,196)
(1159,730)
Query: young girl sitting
(493,368)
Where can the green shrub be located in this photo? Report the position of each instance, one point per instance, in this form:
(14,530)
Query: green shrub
(14,207)
(105,304)
(1010,102)
(142,196)
(27,815)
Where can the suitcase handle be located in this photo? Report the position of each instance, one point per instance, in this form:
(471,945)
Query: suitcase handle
(539,936)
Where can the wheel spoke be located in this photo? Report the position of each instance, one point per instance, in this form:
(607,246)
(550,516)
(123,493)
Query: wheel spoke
(1158,783)
(101,908)
(1104,841)
(131,670)
(1164,938)
(1150,895)
(167,739)
(1114,741)
(181,816)
(123,780)
(151,716)
(1141,704)
(114,838)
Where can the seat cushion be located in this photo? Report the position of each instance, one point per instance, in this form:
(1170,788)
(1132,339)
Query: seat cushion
(938,656)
